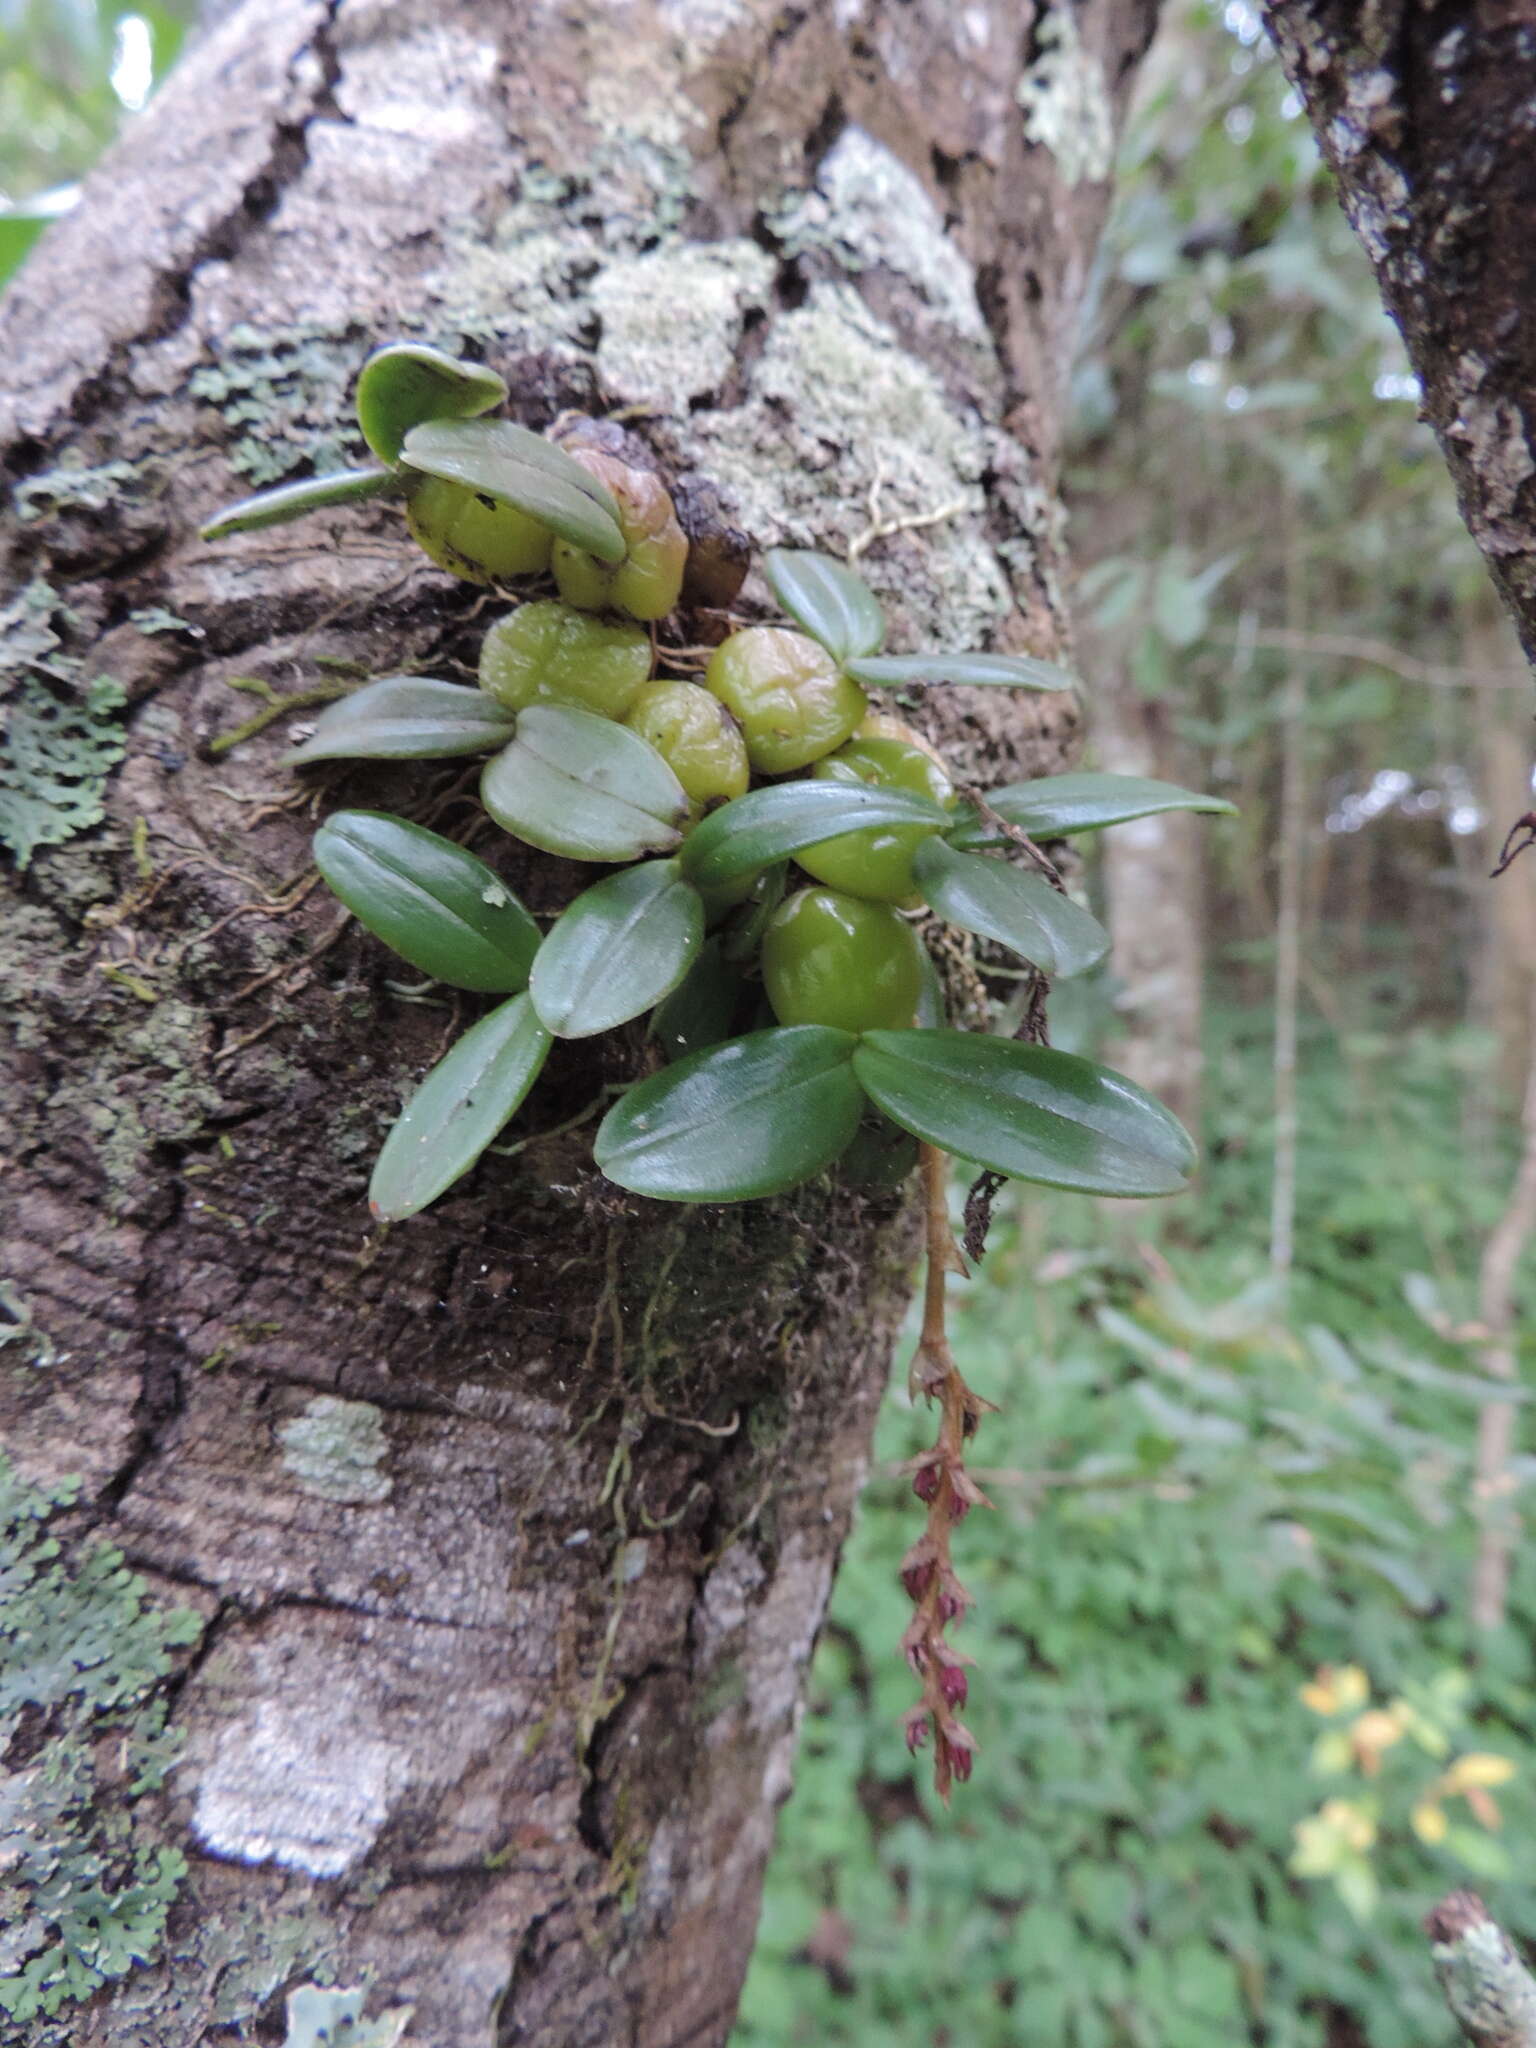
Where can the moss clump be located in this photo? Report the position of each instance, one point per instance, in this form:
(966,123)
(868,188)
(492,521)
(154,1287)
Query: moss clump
(83,1661)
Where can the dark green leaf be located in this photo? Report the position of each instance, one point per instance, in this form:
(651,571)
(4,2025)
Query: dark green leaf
(767,824)
(293,501)
(458,1109)
(751,1117)
(439,907)
(617,950)
(834,605)
(1026,1111)
(577,784)
(407,382)
(932,1010)
(741,936)
(1062,804)
(1018,909)
(702,1008)
(881,1156)
(495,458)
(1012,671)
(405,718)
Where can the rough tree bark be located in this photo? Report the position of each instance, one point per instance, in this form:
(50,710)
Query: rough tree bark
(1423,113)
(511,1530)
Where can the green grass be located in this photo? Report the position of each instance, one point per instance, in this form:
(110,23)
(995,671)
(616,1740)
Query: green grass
(1204,1495)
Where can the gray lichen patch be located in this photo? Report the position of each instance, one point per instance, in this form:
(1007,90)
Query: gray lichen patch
(85,1888)
(672,319)
(521,285)
(1498,446)
(336,1449)
(1065,100)
(868,209)
(73,485)
(63,733)
(837,405)
(284,392)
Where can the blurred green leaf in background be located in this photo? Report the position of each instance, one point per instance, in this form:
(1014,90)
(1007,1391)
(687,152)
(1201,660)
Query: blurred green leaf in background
(71,71)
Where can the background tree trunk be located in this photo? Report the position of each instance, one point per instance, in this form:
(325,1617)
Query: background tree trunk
(1423,116)
(510,1529)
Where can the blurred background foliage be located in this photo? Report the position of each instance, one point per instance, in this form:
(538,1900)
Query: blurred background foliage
(1241,1720)
(70,70)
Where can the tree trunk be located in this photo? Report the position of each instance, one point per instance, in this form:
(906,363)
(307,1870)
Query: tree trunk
(1423,114)
(510,1529)
(1154,892)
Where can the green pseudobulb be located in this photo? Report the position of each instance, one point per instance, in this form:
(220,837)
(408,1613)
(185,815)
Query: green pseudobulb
(474,536)
(791,700)
(548,653)
(877,862)
(830,958)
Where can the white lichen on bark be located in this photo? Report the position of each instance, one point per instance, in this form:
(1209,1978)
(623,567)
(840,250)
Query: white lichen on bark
(1064,98)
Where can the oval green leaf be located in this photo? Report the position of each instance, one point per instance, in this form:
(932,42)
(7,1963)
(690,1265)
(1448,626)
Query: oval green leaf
(765,825)
(827,599)
(438,906)
(405,718)
(752,1117)
(1010,671)
(458,1110)
(617,950)
(493,457)
(702,1008)
(1017,909)
(406,382)
(295,501)
(1026,1111)
(579,785)
(1060,805)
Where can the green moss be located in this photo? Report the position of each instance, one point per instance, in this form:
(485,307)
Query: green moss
(84,1895)
(63,732)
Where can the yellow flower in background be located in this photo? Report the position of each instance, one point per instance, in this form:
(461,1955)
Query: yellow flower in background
(1332,1753)
(1479,1767)
(1354,1826)
(1429,1822)
(1337,1689)
(1375,1731)
(1338,1833)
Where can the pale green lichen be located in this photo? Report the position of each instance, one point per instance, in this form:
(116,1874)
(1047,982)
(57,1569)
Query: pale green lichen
(20,1327)
(143,1090)
(1064,98)
(334,2019)
(672,319)
(84,1897)
(867,209)
(63,733)
(335,1449)
(285,394)
(72,486)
